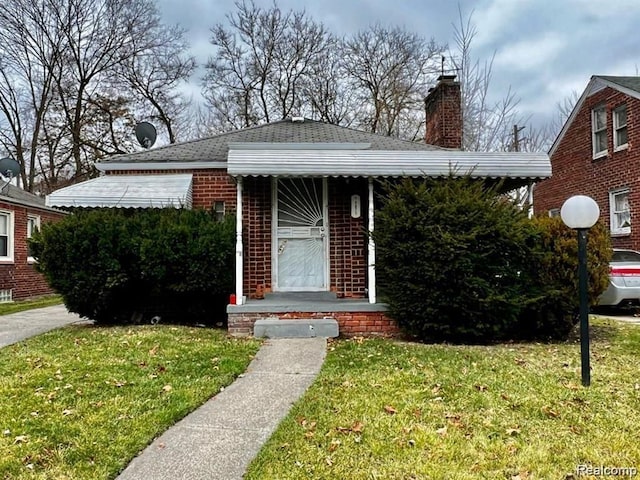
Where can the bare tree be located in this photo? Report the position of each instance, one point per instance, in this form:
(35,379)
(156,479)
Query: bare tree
(154,74)
(390,70)
(73,76)
(31,46)
(262,63)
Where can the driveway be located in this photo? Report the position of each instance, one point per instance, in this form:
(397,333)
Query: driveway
(18,326)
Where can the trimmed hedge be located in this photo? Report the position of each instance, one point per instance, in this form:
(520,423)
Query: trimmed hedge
(457,261)
(121,266)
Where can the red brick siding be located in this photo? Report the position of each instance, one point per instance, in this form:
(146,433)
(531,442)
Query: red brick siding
(257,235)
(574,171)
(20,275)
(347,237)
(349,323)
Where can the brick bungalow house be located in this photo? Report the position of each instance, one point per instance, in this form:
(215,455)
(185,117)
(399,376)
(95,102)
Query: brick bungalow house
(595,154)
(303,194)
(21,213)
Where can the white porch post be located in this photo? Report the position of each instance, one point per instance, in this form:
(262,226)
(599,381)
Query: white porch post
(371,248)
(239,269)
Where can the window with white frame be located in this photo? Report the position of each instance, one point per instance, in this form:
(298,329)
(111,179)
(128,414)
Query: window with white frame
(599,131)
(620,212)
(33,224)
(6,236)
(554,212)
(620,139)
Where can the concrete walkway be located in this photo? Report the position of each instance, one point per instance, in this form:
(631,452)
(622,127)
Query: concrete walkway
(219,440)
(16,327)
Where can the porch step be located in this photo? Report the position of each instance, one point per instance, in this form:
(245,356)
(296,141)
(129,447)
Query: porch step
(299,328)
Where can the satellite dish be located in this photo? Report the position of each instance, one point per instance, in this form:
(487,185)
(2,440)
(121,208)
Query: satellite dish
(146,134)
(9,168)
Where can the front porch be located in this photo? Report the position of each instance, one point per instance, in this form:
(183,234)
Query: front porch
(354,316)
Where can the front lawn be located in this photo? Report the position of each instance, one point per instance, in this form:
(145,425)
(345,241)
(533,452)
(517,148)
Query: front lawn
(22,305)
(389,410)
(81,402)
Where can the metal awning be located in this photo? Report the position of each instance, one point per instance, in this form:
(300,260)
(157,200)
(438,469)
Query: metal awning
(127,191)
(388,163)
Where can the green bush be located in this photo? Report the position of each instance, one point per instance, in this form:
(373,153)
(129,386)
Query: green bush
(459,262)
(551,312)
(118,266)
(450,253)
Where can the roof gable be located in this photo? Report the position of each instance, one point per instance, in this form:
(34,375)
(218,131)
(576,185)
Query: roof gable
(628,85)
(307,131)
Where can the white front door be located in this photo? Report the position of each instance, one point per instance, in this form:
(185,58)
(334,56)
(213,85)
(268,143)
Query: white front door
(300,235)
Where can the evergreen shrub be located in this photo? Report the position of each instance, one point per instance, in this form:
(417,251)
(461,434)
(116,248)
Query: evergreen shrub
(458,261)
(121,266)
(450,256)
(552,310)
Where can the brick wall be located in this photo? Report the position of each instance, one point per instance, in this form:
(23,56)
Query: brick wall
(574,171)
(349,323)
(443,114)
(20,275)
(348,240)
(257,235)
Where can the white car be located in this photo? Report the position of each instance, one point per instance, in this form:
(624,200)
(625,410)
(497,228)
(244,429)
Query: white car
(624,279)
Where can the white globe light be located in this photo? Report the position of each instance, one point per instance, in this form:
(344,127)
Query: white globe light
(580,211)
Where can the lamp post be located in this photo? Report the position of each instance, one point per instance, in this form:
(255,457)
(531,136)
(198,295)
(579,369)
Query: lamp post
(581,213)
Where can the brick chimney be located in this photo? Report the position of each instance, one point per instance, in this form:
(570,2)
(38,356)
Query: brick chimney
(444,113)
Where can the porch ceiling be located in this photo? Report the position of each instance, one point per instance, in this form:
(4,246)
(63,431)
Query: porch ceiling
(377,163)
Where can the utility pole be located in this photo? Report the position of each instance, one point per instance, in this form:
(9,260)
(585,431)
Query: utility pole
(516,139)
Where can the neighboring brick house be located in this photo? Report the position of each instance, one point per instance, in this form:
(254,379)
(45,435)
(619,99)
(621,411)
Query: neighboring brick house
(306,195)
(21,213)
(597,154)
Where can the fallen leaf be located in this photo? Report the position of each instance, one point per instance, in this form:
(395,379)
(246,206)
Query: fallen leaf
(161,445)
(550,412)
(571,386)
(481,388)
(334,444)
(309,434)
(329,461)
(167,388)
(34,414)
(21,439)
(154,350)
(390,410)
(7,432)
(442,431)
(512,432)
(66,412)
(357,427)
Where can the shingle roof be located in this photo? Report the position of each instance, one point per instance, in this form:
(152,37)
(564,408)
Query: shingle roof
(285,131)
(12,194)
(632,83)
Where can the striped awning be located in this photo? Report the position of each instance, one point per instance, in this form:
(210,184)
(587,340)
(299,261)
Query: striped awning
(127,191)
(377,163)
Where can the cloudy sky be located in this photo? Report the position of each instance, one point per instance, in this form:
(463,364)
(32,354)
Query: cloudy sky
(544,49)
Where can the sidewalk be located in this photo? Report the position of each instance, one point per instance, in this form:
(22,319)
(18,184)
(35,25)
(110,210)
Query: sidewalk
(219,440)
(16,327)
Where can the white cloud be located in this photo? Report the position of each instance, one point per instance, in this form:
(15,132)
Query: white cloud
(530,53)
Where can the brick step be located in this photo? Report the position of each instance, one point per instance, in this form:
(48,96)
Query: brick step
(298,328)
